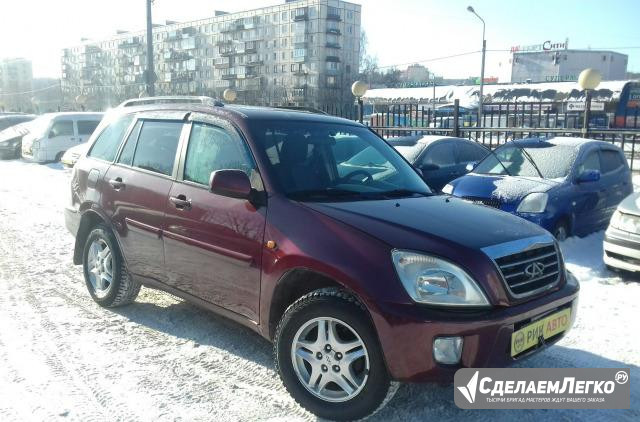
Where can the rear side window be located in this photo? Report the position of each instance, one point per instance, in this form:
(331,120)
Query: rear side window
(126,156)
(157,145)
(468,152)
(610,160)
(61,128)
(106,146)
(212,148)
(86,127)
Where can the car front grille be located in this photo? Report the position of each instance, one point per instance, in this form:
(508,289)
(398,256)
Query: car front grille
(489,202)
(531,271)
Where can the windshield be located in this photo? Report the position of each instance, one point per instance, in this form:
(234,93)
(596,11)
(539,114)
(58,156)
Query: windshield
(40,125)
(554,161)
(310,162)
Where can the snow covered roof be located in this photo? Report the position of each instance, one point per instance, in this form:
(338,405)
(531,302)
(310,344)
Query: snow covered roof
(468,95)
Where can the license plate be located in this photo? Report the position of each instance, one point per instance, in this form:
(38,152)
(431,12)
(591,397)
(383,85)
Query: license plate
(528,336)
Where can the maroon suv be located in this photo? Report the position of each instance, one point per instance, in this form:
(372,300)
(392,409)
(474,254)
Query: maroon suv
(359,275)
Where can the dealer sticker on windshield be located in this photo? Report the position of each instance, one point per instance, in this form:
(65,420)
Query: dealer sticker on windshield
(529,335)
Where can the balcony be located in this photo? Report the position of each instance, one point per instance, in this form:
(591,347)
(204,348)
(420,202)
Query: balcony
(334,16)
(221,43)
(255,63)
(229,77)
(300,72)
(300,44)
(333,45)
(222,65)
(335,59)
(301,17)
(334,31)
(250,50)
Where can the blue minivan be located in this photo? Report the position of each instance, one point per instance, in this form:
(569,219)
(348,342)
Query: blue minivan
(569,186)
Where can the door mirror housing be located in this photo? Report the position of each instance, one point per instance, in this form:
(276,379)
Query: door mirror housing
(429,167)
(51,134)
(231,183)
(470,166)
(589,176)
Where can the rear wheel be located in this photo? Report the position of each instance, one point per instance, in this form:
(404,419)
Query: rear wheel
(329,358)
(59,156)
(105,273)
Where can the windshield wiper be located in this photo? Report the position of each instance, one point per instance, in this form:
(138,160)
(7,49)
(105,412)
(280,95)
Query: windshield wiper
(526,154)
(492,152)
(396,193)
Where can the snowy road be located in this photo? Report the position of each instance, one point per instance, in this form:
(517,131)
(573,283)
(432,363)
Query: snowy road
(64,357)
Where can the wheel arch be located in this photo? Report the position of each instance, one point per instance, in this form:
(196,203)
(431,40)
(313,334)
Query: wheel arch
(296,283)
(90,218)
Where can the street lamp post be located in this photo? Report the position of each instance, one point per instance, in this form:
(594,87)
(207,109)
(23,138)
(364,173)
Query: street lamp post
(484,52)
(588,80)
(150,73)
(358,89)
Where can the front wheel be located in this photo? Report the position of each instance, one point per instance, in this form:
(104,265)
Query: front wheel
(329,358)
(561,231)
(105,273)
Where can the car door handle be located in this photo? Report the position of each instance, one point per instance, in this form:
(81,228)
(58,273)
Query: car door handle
(181,202)
(116,183)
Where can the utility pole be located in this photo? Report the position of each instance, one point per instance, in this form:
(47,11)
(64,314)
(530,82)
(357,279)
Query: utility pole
(150,75)
(484,53)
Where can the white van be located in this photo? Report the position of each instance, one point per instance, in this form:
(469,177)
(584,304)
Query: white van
(53,133)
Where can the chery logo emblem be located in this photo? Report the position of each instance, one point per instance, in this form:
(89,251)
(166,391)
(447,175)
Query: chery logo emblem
(534,270)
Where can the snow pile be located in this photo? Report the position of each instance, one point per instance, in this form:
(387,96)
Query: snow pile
(510,189)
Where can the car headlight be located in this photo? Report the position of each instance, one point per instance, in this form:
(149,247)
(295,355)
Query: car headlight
(534,202)
(448,189)
(435,281)
(625,222)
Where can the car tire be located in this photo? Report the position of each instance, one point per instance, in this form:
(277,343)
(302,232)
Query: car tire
(351,331)
(105,273)
(561,231)
(58,157)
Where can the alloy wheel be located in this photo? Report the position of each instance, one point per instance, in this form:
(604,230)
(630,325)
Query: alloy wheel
(100,267)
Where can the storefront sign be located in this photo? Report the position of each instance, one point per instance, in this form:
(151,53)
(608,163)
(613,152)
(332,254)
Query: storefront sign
(545,46)
(561,78)
(580,105)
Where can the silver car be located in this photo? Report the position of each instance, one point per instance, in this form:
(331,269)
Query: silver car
(622,238)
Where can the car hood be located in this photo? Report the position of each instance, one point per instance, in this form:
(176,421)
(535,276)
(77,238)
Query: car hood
(507,189)
(630,204)
(423,223)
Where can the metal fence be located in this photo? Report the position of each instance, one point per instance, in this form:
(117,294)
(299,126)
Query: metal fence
(500,123)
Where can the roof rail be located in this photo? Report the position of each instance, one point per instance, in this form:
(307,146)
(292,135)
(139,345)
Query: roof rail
(176,99)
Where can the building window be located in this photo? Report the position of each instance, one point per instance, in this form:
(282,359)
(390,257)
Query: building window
(331,80)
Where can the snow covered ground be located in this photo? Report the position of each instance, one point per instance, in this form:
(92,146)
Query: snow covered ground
(64,357)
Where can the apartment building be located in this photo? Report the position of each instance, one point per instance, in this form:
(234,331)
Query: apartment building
(303,52)
(16,78)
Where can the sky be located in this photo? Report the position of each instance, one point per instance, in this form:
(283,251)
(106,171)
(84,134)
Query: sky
(399,32)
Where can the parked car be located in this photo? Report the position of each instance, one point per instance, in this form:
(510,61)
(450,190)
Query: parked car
(622,238)
(359,281)
(10,120)
(11,140)
(53,133)
(569,186)
(71,156)
(440,158)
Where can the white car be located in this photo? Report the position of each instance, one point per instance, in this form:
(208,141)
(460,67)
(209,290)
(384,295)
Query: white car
(622,238)
(70,158)
(53,133)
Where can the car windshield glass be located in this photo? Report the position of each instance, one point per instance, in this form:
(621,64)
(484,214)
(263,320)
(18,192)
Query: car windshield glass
(40,125)
(554,161)
(410,152)
(308,162)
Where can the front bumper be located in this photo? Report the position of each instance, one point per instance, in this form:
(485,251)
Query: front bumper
(621,250)
(407,333)
(544,219)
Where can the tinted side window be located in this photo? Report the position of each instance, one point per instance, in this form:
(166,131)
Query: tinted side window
(61,128)
(210,149)
(126,156)
(86,127)
(106,146)
(470,152)
(610,160)
(157,144)
(441,155)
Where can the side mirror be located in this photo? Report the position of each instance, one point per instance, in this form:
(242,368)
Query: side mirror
(429,167)
(51,135)
(470,166)
(589,176)
(231,183)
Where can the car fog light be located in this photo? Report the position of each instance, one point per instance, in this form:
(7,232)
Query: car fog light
(447,350)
